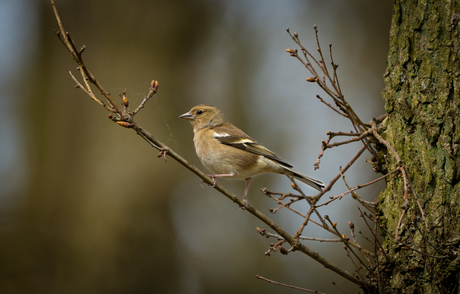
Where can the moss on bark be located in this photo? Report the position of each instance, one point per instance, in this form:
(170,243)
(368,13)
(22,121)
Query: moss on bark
(422,85)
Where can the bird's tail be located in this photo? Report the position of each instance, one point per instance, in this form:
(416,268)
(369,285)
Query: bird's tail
(318,185)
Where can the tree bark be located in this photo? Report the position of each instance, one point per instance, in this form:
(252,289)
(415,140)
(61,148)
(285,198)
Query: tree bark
(421,94)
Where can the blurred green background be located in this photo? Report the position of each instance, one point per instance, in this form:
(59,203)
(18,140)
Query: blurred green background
(87,207)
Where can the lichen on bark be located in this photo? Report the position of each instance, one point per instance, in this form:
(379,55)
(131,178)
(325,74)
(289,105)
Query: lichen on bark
(422,86)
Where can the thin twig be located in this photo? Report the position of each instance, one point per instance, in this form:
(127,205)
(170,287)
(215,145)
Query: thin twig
(395,154)
(339,196)
(340,288)
(323,148)
(305,222)
(311,201)
(342,171)
(274,246)
(375,235)
(369,205)
(419,205)
(76,55)
(334,66)
(379,283)
(152,91)
(334,226)
(357,268)
(319,239)
(359,138)
(335,134)
(399,223)
(331,107)
(287,285)
(425,238)
(423,253)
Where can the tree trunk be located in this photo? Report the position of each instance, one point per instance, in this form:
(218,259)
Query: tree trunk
(421,94)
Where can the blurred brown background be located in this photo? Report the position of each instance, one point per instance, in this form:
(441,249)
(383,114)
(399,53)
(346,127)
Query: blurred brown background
(87,207)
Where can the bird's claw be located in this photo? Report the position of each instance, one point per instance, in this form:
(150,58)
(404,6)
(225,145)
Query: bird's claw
(246,203)
(214,182)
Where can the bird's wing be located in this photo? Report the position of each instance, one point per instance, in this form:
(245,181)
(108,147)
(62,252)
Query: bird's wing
(232,136)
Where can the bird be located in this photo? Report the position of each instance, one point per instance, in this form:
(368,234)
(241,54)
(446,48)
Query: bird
(228,152)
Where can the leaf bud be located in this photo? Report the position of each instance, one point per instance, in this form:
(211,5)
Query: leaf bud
(125,124)
(352,226)
(125,101)
(283,250)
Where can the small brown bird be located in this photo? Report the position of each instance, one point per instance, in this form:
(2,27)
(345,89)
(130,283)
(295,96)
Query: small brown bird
(228,152)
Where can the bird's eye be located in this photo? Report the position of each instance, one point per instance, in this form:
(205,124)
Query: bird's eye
(199,111)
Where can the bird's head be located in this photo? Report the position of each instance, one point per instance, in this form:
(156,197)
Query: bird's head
(204,116)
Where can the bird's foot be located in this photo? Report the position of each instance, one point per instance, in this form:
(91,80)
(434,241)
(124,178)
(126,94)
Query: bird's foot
(214,182)
(246,204)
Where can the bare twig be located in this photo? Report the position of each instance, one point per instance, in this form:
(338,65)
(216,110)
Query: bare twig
(399,223)
(340,288)
(419,205)
(379,282)
(311,201)
(346,242)
(287,285)
(374,234)
(357,268)
(342,171)
(425,238)
(319,239)
(152,91)
(323,148)
(359,138)
(395,154)
(331,107)
(335,134)
(77,56)
(369,205)
(274,246)
(423,253)
(333,198)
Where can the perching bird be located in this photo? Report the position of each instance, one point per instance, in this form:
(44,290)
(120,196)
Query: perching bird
(228,152)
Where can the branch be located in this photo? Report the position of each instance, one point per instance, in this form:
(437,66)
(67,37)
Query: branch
(295,244)
(125,118)
(357,188)
(77,57)
(289,286)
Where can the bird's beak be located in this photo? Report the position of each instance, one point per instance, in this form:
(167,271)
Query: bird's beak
(187,116)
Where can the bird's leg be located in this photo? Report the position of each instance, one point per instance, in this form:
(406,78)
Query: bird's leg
(213,177)
(248,181)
